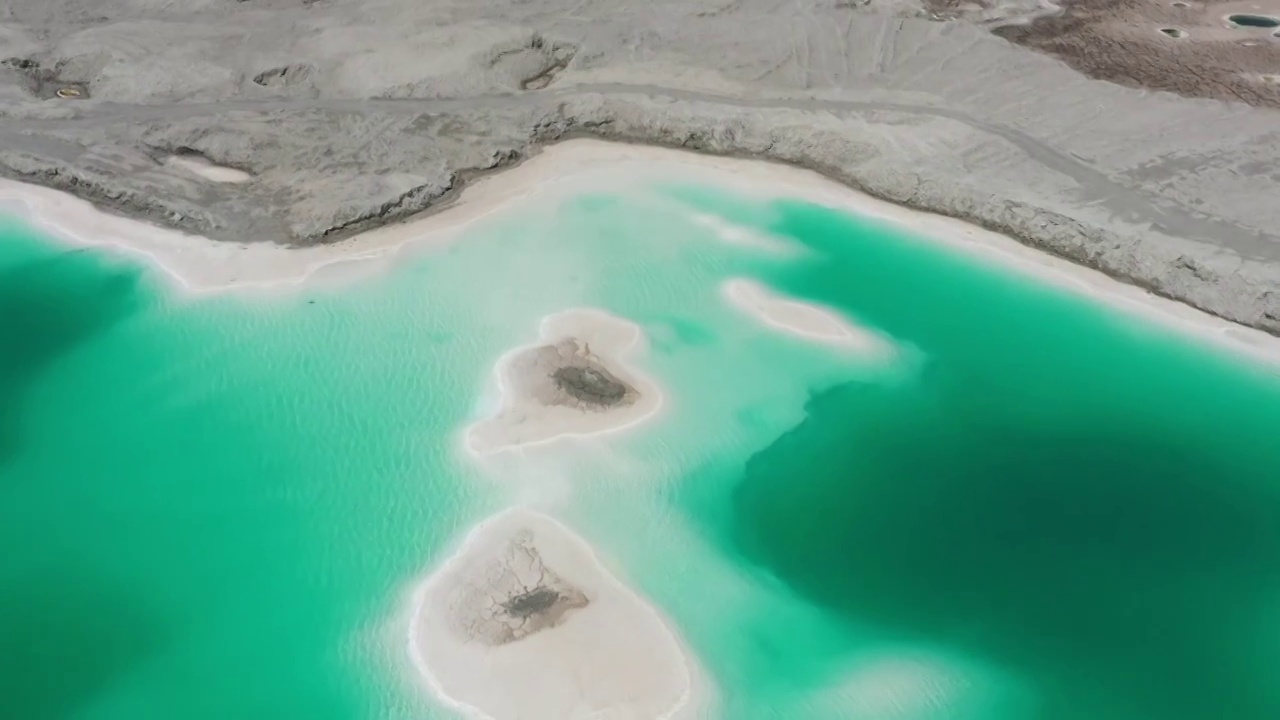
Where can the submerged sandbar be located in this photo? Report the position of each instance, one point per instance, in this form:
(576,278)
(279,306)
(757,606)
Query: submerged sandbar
(804,320)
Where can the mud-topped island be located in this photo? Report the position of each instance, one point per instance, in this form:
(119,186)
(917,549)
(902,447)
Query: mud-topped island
(526,622)
(573,383)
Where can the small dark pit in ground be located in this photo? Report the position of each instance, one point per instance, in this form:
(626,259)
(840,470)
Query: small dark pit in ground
(543,79)
(1174,32)
(558,57)
(25,64)
(537,600)
(283,76)
(1254,21)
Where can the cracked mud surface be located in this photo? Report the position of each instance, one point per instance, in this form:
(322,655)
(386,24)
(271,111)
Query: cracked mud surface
(1186,47)
(349,115)
(513,596)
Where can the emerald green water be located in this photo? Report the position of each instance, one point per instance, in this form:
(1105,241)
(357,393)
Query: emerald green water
(217,506)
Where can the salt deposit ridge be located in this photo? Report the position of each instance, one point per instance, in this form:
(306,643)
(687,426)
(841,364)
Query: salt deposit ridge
(803,319)
(202,265)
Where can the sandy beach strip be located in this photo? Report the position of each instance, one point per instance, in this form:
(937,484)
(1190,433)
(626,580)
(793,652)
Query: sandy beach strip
(525,621)
(531,413)
(574,166)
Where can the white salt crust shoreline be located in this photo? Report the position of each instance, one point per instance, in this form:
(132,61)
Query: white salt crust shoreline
(522,421)
(201,265)
(616,644)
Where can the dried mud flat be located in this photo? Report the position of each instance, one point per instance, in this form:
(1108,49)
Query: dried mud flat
(331,118)
(1188,47)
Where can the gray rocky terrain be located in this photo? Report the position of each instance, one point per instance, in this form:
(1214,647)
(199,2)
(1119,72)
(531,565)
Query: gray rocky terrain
(351,113)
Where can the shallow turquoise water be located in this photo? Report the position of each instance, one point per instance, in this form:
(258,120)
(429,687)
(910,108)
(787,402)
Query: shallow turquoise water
(216,506)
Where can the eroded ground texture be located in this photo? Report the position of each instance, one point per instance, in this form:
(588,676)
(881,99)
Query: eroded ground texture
(514,596)
(353,113)
(1189,47)
(568,374)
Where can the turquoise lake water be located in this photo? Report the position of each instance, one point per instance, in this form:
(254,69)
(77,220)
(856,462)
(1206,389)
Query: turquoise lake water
(217,506)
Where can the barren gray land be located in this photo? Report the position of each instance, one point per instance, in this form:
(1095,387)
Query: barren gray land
(351,113)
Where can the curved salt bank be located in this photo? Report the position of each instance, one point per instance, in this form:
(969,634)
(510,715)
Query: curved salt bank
(572,382)
(207,170)
(741,236)
(802,319)
(524,622)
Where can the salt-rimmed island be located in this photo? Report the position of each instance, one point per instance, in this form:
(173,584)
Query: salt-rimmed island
(574,381)
(525,622)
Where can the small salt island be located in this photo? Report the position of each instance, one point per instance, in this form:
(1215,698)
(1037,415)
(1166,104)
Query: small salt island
(525,622)
(802,319)
(572,382)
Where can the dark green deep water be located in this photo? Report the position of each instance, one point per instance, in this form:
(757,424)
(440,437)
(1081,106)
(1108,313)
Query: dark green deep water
(1090,503)
(213,507)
